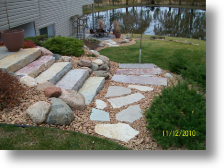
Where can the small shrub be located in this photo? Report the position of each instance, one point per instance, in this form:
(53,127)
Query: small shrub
(65,46)
(28,44)
(38,40)
(178,108)
(11,90)
(178,63)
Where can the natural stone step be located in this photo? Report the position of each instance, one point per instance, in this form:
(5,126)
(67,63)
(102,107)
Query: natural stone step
(17,60)
(91,87)
(133,66)
(99,115)
(141,88)
(54,73)
(36,67)
(139,71)
(130,114)
(4,52)
(123,101)
(119,131)
(140,80)
(73,80)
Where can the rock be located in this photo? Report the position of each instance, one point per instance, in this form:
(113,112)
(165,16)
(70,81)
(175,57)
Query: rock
(100,45)
(141,88)
(44,51)
(73,99)
(43,86)
(60,113)
(124,41)
(114,91)
(99,115)
(95,52)
(66,58)
(104,74)
(90,70)
(56,56)
(104,61)
(52,92)
(86,47)
(38,112)
(29,81)
(100,104)
(74,63)
(104,57)
(98,62)
(94,67)
(169,75)
(104,67)
(120,131)
(85,63)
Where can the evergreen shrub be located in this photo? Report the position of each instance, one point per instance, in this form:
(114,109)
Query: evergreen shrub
(64,46)
(180,111)
(38,40)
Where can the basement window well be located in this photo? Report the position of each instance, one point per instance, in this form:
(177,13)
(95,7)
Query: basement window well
(50,31)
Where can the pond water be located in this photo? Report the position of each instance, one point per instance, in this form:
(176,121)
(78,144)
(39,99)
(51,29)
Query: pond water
(163,21)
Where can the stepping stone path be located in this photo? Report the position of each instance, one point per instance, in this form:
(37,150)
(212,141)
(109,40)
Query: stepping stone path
(132,66)
(123,101)
(99,115)
(141,88)
(114,91)
(140,80)
(139,71)
(120,131)
(100,104)
(130,114)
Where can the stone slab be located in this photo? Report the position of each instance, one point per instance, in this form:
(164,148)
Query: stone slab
(139,71)
(99,115)
(133,66)
(100,104)
(36,67)
(74,79)
(18,60)
(140,80)
(4,52)
(114,91)
(91,87)
(123,101)
(130,114)
(54,73)
(119,131)
(141,88)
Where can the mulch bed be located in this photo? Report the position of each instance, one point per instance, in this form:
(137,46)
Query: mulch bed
(92,44)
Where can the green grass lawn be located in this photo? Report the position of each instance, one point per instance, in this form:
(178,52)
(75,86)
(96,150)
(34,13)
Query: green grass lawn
(158,52)
(38,138)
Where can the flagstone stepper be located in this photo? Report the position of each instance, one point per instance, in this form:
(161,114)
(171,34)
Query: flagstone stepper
(134,66)
(73,80)
(91,87)
(99,115)
(123,101)
(114,91)
(54,73)
(140,80)
(36,67)
(18,60)
(139,71)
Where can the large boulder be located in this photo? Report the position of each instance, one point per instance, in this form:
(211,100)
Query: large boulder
(60,113)
(43,86)
(104,74)
(104,67)
(104,59)
(73,99)
(98,62)
(85,63)
(38,112)
(94,67)
(52,92)
(29,81)
(44,51)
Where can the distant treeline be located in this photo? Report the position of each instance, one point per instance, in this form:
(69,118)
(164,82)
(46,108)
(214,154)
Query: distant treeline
(135,2)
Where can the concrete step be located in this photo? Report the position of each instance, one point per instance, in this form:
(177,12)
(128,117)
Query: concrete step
(91,87)
(54,73)
(36,67)
(12,62)
(140,80)
(74,79)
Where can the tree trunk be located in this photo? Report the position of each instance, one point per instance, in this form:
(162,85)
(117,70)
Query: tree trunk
(169,2)
(126,2)
(113,2)
(179,2)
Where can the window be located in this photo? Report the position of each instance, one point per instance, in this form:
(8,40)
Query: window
(50,31)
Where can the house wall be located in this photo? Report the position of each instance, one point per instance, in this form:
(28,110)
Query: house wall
(43,12)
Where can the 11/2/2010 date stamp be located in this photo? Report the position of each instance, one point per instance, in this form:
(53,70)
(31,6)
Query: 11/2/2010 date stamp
(179,133)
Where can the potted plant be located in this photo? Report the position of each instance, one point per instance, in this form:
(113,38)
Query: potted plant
(117,29)
(12,38)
